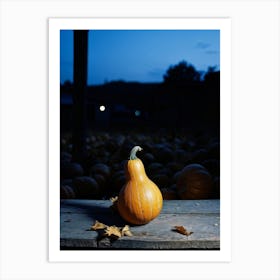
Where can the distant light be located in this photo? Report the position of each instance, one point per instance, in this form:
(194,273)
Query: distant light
(102,108)
(137,113)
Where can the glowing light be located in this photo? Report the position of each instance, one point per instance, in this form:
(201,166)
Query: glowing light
(137,113)
(102,108)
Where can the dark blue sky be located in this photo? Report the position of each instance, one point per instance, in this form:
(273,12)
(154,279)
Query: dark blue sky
(140,55)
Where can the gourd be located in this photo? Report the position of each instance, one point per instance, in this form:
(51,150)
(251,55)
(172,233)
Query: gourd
(139,200)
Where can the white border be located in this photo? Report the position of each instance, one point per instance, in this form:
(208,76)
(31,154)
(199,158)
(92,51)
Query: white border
(24,144)
(222,24)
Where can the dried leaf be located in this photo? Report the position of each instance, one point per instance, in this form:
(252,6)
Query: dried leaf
(112,231)
(182,230)
(126,231)
(98,225)
(114,200)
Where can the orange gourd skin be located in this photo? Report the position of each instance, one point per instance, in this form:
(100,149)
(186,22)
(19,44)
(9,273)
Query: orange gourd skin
(140,200)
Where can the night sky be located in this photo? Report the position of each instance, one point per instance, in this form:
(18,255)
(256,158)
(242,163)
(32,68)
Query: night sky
(140,55)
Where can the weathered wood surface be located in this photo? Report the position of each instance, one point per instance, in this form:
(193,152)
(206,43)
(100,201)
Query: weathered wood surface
(200,216)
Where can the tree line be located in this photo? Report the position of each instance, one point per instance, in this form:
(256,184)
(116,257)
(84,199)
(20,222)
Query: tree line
(182,74)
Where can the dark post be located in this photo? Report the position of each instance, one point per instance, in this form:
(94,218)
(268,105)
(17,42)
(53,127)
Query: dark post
(79,96)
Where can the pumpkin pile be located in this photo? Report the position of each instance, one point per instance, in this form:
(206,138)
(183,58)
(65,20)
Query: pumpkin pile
(182,167)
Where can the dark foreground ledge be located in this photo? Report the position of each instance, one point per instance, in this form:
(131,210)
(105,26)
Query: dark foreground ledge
(202,217)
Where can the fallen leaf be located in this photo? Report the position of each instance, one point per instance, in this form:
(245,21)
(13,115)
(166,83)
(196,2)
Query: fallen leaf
(126,231)
(98,225)
(182,230)
(114,200)
(112,231)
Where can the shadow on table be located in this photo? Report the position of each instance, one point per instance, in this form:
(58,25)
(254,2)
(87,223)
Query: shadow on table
(102,213)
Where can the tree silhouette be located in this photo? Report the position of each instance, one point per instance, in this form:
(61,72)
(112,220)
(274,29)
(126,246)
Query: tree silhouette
(212,77)
(181,82)
(181,74)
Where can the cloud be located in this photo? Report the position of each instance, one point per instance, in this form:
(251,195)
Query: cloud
(202,45)
(212,52)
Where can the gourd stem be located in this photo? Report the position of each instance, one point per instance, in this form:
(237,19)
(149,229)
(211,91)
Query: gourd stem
(134,151)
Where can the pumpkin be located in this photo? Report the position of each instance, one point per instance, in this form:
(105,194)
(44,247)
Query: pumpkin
(101,181)
(148,158)
(199,155)
(139,200)
(69,170)
(195,182)
(66,192)
(86,187)
(176,176)
(174,166)
(65,157)
(161,180)
(181,155)
(154,168)
(100,168)
(169,194)
(163,153)
(118,181)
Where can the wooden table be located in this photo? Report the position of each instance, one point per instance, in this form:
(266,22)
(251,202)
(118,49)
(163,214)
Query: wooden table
(202,217)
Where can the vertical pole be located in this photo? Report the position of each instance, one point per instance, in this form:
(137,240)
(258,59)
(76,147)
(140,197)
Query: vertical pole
(79,96)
